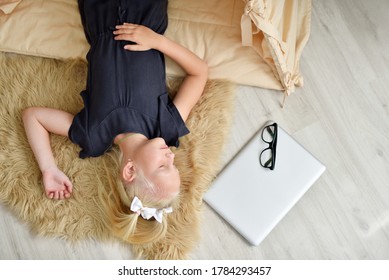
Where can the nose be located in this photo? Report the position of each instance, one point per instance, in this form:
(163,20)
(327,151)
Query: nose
(170,156)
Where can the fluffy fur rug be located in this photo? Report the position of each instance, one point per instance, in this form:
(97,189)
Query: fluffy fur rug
(31,81)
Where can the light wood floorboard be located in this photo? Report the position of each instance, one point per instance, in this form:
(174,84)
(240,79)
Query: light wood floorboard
(340,115)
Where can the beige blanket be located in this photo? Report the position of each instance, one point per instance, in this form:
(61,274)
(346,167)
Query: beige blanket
(213,29)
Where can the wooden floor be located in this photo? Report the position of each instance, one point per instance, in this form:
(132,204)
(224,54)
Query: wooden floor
(340,115)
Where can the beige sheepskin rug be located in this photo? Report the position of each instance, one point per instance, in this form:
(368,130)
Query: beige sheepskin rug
(34,81)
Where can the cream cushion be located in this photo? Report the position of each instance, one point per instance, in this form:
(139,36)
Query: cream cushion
(8,6)
(44,28)
(213,29)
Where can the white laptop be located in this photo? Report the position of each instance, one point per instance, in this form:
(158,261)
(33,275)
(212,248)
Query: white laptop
(253,199)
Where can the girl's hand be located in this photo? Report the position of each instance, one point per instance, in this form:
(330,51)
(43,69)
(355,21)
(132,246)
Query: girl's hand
(57,184)
(143,37)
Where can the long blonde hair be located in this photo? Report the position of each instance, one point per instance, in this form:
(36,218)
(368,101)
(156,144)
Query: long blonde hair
(131,227)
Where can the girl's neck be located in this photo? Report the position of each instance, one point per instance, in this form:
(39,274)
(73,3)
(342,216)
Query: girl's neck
(129,143)
(122,137)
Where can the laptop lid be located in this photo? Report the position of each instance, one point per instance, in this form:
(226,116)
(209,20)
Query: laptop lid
(253,199)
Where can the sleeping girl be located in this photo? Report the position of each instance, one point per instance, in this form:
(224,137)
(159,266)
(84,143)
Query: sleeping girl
(125,103)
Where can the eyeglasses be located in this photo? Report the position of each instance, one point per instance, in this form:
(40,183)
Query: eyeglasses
(267,157)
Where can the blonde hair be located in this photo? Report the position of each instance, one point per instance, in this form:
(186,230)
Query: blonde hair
(131,227)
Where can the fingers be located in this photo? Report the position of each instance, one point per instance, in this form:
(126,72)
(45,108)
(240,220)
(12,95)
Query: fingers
(58,195)
(57,185)
(126,31)
(124,35)
(136,48)
(68,186)
(53,195)
(127,26)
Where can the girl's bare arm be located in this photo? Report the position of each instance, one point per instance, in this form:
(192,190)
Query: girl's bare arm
(194,82)
(38,123)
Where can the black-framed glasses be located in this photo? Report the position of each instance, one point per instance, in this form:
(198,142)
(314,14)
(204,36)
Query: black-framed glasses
(267,158)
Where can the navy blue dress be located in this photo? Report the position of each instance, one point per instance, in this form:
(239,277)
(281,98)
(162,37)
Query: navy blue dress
(126,90)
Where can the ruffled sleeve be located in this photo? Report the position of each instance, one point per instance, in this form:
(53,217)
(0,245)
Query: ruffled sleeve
(78,133)
(171,124)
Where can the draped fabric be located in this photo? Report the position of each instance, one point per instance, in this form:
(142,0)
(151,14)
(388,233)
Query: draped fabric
(278,31)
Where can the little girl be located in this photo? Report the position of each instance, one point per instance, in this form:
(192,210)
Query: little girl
(125,103)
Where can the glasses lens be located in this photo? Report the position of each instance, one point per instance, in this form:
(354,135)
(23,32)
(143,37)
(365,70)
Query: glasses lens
(268,133)
(266,157)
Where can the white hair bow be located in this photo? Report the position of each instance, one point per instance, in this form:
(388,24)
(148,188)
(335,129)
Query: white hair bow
(146,212)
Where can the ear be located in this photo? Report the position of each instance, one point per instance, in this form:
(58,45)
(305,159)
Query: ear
(129,171)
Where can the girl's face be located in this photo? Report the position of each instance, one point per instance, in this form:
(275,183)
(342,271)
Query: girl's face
(156,160)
